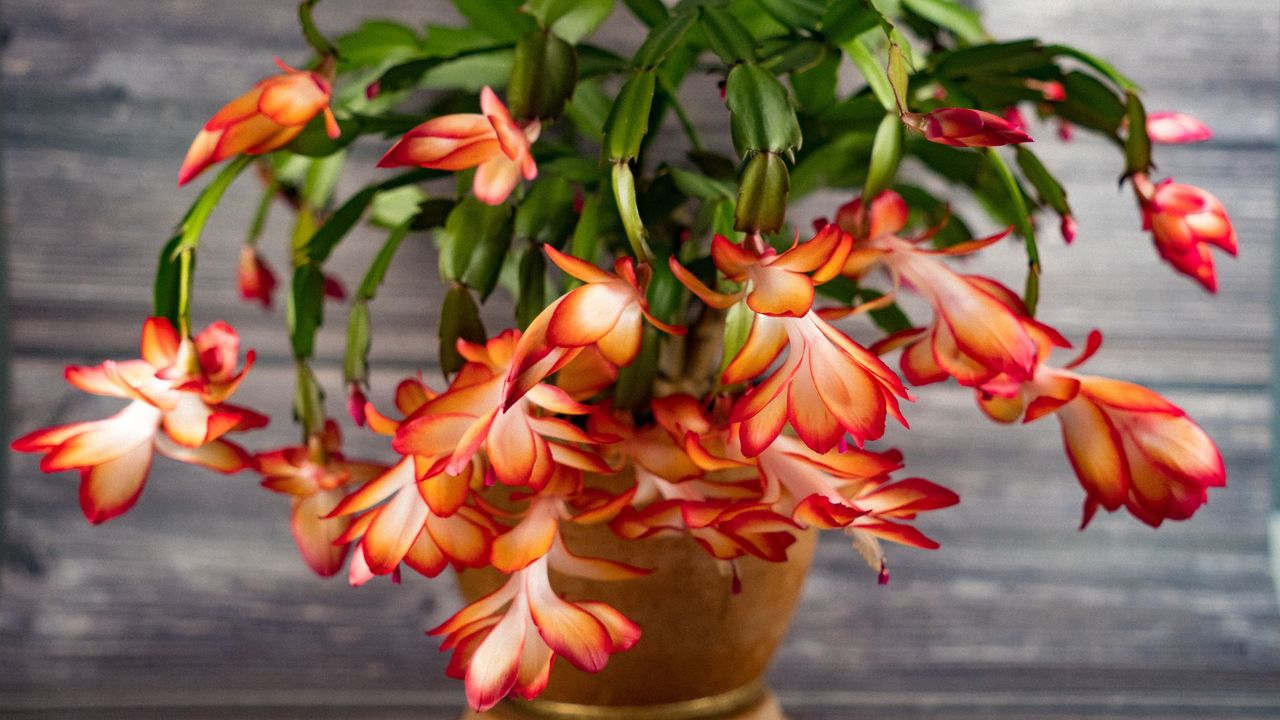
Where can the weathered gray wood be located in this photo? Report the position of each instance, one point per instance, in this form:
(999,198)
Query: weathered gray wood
(194,605)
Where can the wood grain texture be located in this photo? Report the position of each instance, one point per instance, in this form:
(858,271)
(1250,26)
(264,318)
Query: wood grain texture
(195,606)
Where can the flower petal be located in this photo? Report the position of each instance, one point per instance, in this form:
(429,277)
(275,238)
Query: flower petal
(528,541)
(588,313)
(393,530)
(111,488)
(316,536)
(1094,448)
(495,179)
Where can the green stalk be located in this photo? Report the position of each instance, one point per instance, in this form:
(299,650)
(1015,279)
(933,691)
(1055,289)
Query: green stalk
(624,193)
(311,32)
(1022,223)
(261,212)
(189,235)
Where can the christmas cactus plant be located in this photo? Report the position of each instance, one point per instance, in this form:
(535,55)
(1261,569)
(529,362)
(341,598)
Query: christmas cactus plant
(670,327)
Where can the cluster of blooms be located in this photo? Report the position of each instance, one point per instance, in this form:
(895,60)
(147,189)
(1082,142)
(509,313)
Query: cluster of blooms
(491,467)
(1129,446)
(177,392)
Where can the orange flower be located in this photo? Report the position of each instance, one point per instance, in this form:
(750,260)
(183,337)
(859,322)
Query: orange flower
(505,643)
(1128,445)
(1185,220)
(1175,128)
(177,390)
(778,284)
(850,489)
(491,142)
(499,652)
(522,446)
(827,386)
(975,335)
(673,495)
(315,477)
(795,487)
(726,529)
(266,118)
(414,525)
(964,127)
(415,513)
(608,312)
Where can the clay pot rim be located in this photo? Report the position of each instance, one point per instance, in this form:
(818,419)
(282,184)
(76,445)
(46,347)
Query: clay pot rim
(715,706)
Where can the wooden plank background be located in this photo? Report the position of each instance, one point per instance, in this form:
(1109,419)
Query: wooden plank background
(194,605)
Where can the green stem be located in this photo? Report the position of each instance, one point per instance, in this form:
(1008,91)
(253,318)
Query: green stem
(191,229)
(308,401)
(259,222)
(624,193)
(1022,223)
(186,269)
(311,32)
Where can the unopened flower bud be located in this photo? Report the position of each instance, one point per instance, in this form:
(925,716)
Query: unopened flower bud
(256,280)
(1184,221)
(356,402)
(762,194)
(1068,228)
(1175,128)
(965,127)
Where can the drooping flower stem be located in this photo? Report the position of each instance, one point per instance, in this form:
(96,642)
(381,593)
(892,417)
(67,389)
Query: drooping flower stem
(311,32)
(1022,223)
(624,191)
(261,212)
(189,232)
(308,403)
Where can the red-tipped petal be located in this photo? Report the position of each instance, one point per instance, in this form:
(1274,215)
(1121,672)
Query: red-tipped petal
(1167,127)
(712,298)
(574,634)
(393,530)
(520,546)
(588,313)
(767,338)
(315,536)
(493,669)
(776,291)
(110,489)
(495,179)
(1094,447)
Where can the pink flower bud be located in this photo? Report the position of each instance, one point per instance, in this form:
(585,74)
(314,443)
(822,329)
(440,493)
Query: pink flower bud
(1053,91)
(1175,128)
(491,142)
(1015,118)
(1068,228)
(333,288)
(255,278)
(262,120)
(964,127)
(1185,220)
(356,402)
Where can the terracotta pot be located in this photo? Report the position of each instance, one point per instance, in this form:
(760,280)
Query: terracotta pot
(704,650)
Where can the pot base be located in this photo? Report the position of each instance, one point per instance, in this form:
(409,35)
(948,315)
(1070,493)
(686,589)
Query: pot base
(752,702)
